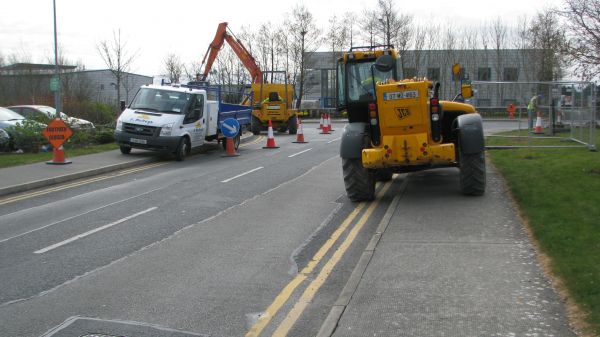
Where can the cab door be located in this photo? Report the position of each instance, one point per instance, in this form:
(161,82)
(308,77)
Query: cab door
(194,121)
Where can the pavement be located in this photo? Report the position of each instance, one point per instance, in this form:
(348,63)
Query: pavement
(491,284)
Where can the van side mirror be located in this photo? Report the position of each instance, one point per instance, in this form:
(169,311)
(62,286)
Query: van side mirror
(385,63)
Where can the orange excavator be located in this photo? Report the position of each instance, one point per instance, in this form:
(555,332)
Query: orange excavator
(270,101)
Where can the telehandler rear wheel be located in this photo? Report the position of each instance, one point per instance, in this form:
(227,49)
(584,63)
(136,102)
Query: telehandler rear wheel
(472,173)
(359,181)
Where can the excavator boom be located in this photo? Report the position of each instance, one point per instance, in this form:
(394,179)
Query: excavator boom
(242,53)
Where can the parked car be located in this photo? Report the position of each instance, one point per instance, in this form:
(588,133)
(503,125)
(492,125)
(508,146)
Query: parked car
(9,118)
(43,113)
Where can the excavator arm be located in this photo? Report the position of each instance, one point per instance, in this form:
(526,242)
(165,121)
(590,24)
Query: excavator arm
(238,48)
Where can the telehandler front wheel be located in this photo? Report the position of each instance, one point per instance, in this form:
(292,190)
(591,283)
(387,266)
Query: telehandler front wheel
(359,181)
(472,173)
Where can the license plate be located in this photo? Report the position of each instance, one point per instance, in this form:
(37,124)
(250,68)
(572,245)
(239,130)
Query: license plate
(137,141)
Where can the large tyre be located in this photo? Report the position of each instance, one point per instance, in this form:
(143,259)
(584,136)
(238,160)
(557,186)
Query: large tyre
(182,149)
(472,173)
(359,181)
(293,125)
(125,149)
(384,174)
(255,127)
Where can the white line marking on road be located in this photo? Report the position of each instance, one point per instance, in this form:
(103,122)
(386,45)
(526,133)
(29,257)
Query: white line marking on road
(333,140)
(78,215)
(242,174)
(95,230)
(301,152)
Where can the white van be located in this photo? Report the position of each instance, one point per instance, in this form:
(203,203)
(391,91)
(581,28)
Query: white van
(174,119)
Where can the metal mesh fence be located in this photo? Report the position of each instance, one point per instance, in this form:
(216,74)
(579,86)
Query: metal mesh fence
(562,113)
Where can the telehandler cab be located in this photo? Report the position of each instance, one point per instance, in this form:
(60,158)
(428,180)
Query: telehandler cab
(403,126)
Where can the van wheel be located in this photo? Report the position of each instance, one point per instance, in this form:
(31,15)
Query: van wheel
(125,149)
(182,149)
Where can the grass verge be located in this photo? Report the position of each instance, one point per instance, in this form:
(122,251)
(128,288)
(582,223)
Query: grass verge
(14,159)
(559,193)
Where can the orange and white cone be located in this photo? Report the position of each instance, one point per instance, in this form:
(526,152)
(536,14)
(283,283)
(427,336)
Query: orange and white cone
(321,123)
(58,157)
(271,138)
(329,122)
(230,148)
(538,124)
(300,133)
(325,129)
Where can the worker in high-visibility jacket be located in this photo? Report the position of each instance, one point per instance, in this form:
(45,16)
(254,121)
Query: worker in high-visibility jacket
(532,108)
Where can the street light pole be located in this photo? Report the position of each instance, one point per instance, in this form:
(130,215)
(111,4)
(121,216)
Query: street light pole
(57,99)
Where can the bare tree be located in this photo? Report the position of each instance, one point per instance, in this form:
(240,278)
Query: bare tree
(368,26)
(549,41)
(173,67)
(117,58)
(192,70)
(349,20)
(306,38)
(583,29)
(395,28)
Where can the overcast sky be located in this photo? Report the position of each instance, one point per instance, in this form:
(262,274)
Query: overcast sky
(186,27)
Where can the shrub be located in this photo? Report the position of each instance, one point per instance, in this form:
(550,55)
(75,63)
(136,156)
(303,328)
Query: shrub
(105,136)
(97,113)
(27,136)
(80,138)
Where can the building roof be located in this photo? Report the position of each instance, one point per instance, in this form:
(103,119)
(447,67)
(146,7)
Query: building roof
(35,66)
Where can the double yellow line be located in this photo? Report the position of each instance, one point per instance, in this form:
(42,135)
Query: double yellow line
(312,288)
(78,183)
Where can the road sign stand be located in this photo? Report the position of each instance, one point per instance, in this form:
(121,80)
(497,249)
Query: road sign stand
(58,157)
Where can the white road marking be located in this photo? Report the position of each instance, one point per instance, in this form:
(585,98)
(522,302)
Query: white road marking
(242,174)
(333,140)
(301,152)
(78,215)
(95,230)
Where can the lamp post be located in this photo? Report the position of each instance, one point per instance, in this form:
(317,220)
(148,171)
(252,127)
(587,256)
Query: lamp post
(57,100)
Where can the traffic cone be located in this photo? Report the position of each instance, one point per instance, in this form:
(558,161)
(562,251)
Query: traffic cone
(321,123)
(538,124)
(300,133)
(325,129)
(230,148)
(271,138)
(329,123)
(58,157)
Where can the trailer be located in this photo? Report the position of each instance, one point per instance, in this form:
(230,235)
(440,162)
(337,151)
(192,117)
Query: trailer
(177,119)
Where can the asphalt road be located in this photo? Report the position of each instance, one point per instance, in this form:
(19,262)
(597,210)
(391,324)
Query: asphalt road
(213,246)
(203,245)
